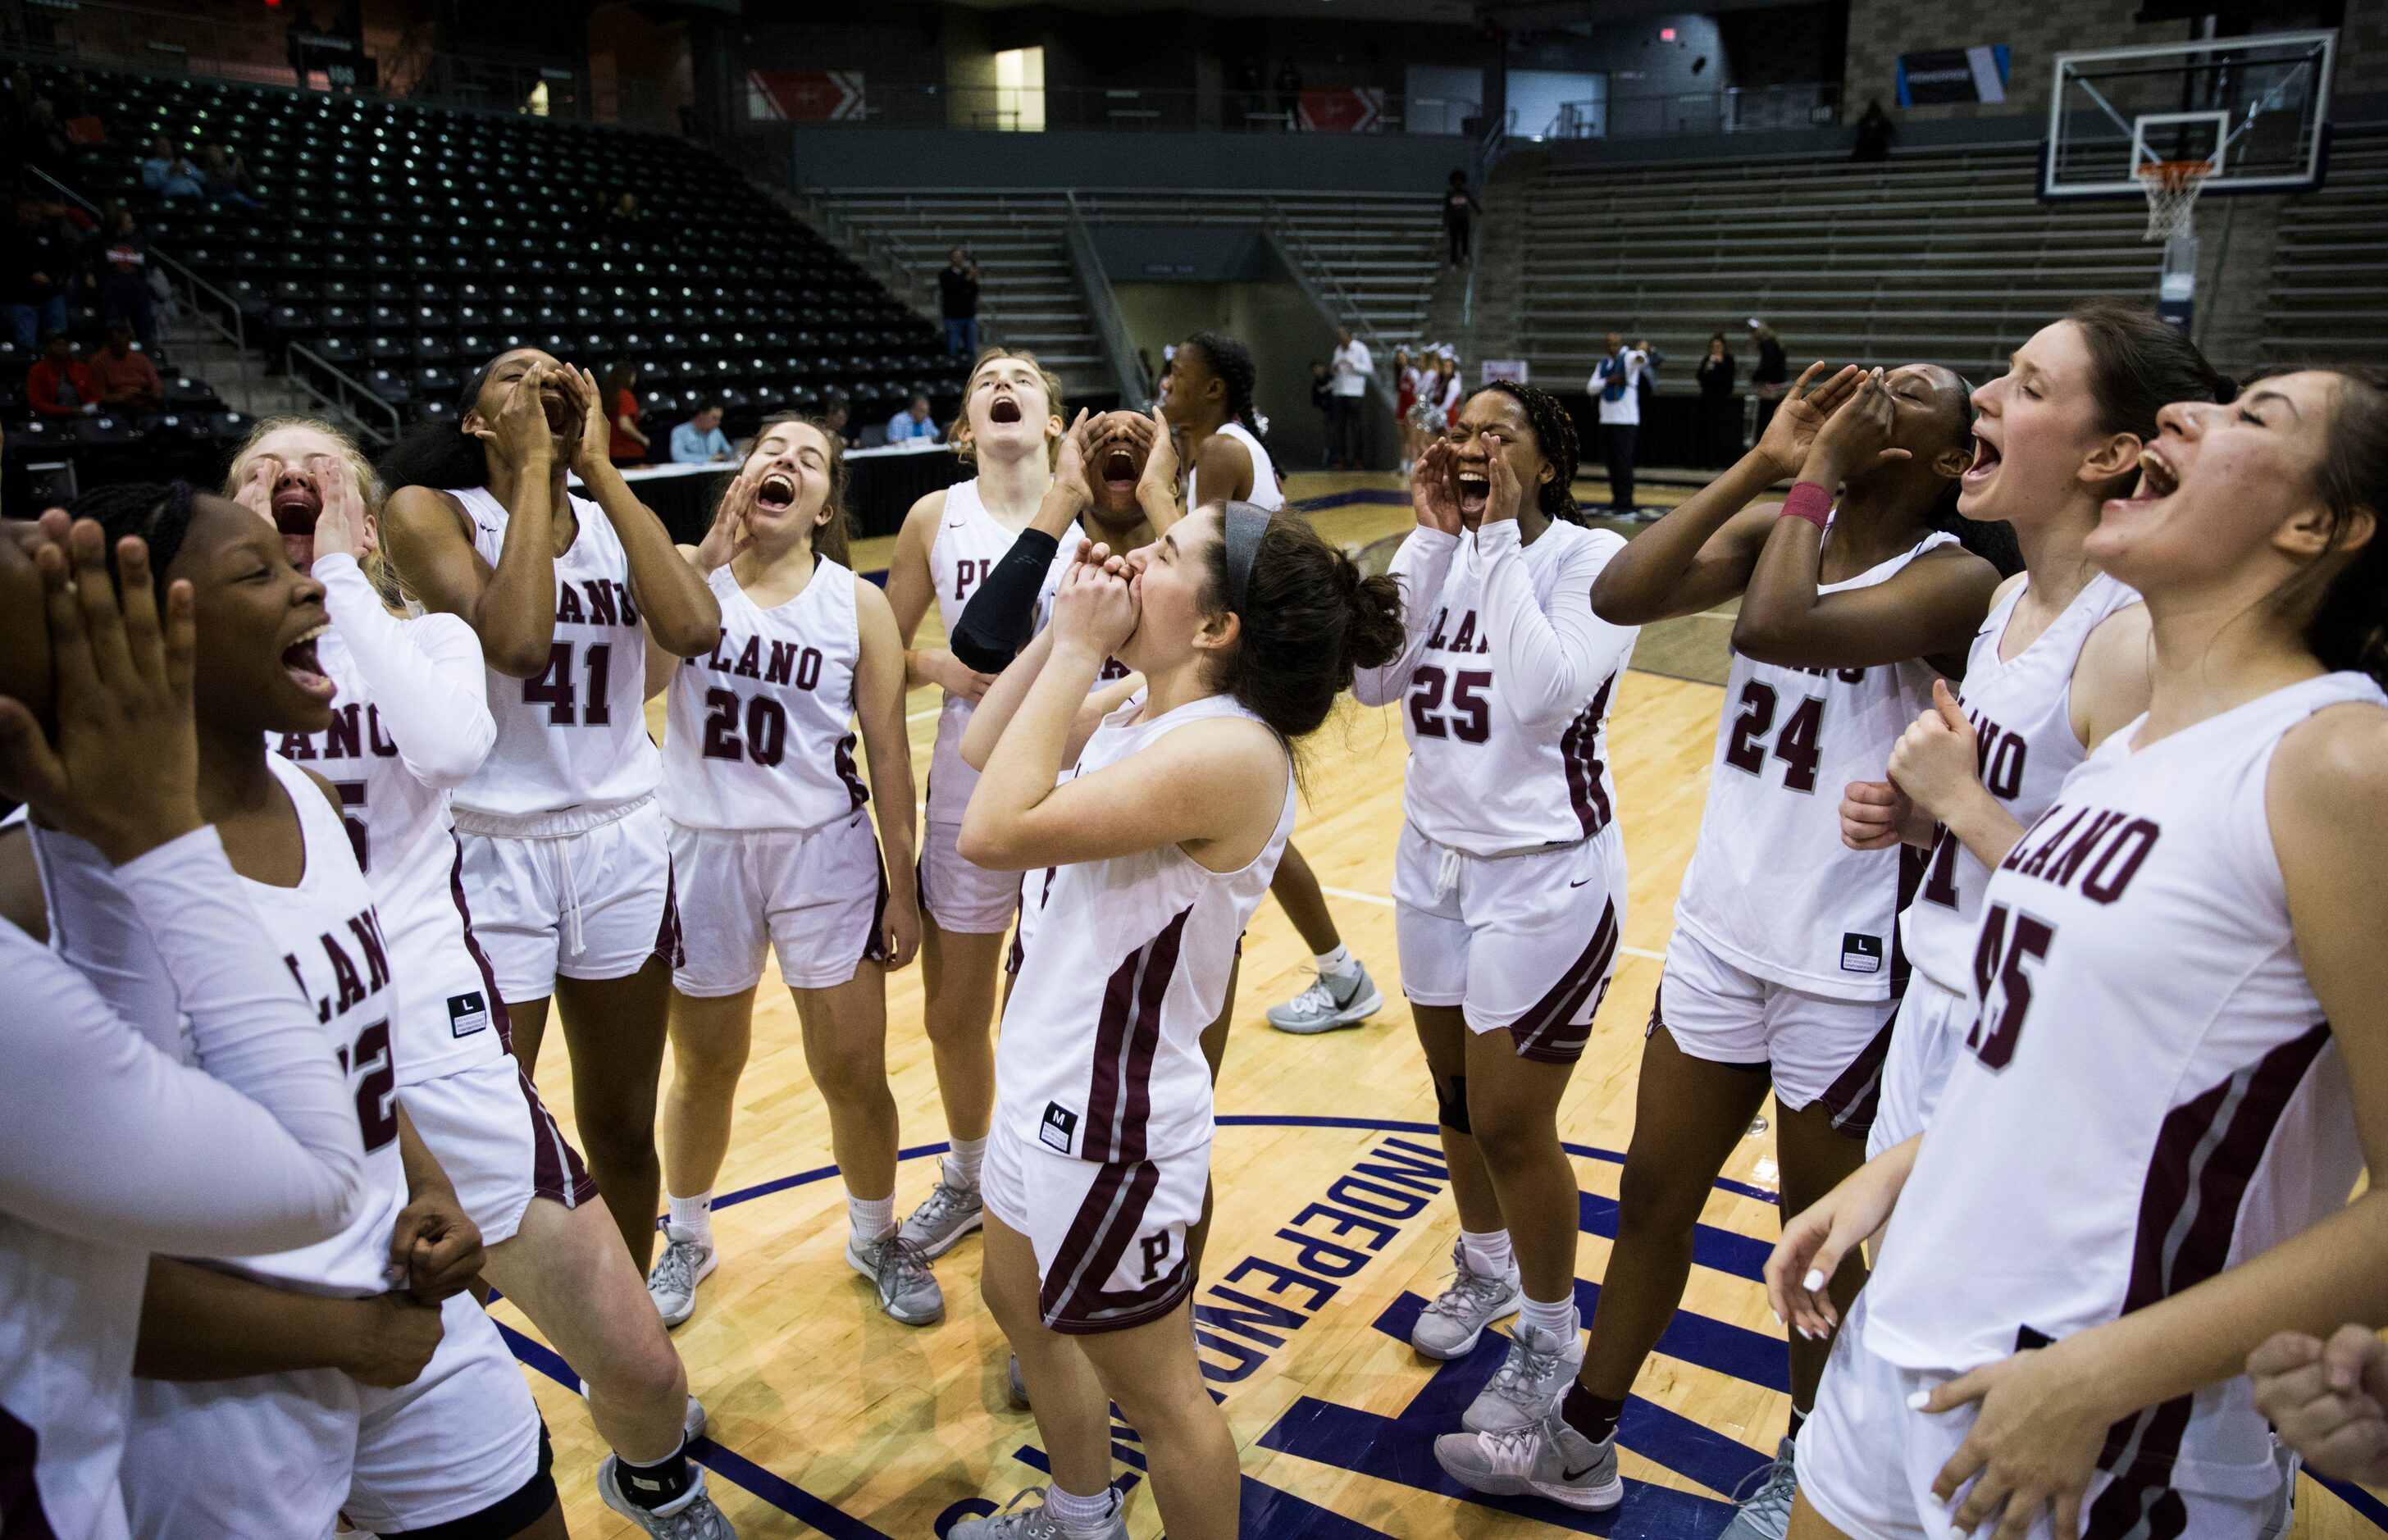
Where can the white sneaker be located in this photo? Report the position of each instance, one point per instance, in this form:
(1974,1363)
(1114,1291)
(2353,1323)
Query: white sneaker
(1333,999)
(1547,1456)
(1537,1372)
(686,1263)
(1452,1320)
(1015,1522)
(949,1213)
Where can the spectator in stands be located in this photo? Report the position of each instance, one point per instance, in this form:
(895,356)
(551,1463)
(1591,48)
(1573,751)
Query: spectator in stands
(913,423)
(121,275)
(1289,95)
(1352,368)
(60,385)
(622,220)
(699,440)
(40,260)
(629,446)
(228,182)
(125,380)
(1720,408)
(81,124)
(957,299)
(1616,385)
(835,410)
(1874,129)
(169,174)
(1773,374)
(1459,206)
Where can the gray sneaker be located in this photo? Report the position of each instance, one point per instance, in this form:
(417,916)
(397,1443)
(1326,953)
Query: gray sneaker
(671,1283)
(1533,1378)
(1547,1456)
(1332,1000)
(950,1212)
(1015,1522)
(907,1290)
(1451,1321)
(1765,1513)
(690,1516)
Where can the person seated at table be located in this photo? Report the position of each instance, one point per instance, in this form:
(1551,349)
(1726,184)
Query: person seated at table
(699,440)
(913,422)
(125,379)
(60,385)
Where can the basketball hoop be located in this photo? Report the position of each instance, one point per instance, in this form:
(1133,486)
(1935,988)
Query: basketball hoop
(2172,187)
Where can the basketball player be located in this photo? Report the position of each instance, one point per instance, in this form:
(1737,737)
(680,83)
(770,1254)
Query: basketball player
(241,1441)
(564,856)
(2053,438)
(773,848)
(111,1147)
(1206,395)
(1509,886)
(950,541)
(2181,1050)
(410,720)
(1155,847)
(1780,972)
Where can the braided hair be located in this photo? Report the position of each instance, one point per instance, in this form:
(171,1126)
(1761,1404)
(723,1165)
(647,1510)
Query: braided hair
(441,455)
(159,514)
(1555,431)
(1232,361)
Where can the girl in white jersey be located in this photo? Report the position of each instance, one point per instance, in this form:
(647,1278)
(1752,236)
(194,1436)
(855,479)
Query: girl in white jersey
(242,1423)
(1780,973)
(110,1146)
(1206,395)
(774,850)
(410,721)
(1008,427)
(2140,1165)
(2055,436)
(1509,886)
(566,861)
(1149,817)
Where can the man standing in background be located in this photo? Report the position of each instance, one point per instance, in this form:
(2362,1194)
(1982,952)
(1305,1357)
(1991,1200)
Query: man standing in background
(958,296)
(1353,366)
(1616,384)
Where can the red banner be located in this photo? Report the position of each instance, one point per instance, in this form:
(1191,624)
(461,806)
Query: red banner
(775,95)
(1342,109)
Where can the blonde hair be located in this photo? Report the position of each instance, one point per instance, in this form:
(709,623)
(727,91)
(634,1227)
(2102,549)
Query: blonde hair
(376,566)
(1057,405)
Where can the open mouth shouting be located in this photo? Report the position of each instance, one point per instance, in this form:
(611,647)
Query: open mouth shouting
(561,418)
(298,661)
(296,505)
(1475,490)
(1985,463)
(777,493)
(1119,471)
(2158,479)
(1005,409)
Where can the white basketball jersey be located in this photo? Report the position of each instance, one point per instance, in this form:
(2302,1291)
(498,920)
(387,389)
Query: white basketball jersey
(406,844)
(1772,889)
(577,734)
(2022,712)
(1265,493)
(1479,780)
(2150,1093)
(757,733)
(969,540)
(331,938)
(1122,963)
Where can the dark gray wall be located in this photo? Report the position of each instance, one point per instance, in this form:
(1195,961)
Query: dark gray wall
(838,156)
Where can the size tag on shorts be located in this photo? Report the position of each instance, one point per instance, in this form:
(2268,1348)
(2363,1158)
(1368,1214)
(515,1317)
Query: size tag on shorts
(1860,954)
(1059,1126)
(467,1013)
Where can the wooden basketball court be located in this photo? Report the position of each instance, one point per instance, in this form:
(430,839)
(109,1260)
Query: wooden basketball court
(827,1417)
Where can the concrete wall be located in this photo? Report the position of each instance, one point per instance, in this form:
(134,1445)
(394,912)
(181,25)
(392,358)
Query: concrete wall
(835,156)
(1274,320)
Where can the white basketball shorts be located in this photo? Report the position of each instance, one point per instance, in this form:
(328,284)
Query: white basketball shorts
(498,1143)
(1110,1236)
(1522,944)
(1867,1462)
(1926,1038)
(957,897)
(586,893)
(1820,1052)
(463,1438)
(817,897)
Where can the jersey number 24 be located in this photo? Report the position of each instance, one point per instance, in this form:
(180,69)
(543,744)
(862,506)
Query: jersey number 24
(1799,745)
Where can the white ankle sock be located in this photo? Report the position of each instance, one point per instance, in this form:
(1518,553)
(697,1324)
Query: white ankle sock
(1337,962)
(1554,1319)
(1077,1515)
(962,1163)
(695,1215)
(1489,1253)
(872,1218)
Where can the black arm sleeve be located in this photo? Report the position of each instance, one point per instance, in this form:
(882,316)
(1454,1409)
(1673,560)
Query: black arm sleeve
(1001,616)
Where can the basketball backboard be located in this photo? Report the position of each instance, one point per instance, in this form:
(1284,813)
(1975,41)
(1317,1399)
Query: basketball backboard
(2258,109)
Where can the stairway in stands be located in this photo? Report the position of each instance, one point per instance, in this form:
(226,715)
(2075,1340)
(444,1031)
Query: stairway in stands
(2329,302)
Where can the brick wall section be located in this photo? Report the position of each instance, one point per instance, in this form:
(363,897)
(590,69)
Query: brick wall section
(2034,31)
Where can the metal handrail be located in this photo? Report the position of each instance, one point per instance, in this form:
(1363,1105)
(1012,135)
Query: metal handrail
(1103,306)
(354,390)
(1308,261)
(236,333)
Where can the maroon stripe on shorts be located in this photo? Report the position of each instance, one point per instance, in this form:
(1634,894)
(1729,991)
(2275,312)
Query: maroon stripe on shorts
(2126,1512)
(874,946)
(1855,1095)
(1119,1094)
(20,1497)
(1072,1298)
(1546,1033)
(842,756)
(668,937)
(556,1172)
(480,960)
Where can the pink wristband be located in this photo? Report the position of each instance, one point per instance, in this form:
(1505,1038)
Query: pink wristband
(1811,502)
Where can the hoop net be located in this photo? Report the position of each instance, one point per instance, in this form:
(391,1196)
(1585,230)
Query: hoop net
(2172,187)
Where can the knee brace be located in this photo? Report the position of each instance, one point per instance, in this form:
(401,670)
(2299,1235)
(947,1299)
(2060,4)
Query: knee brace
(1451,1103)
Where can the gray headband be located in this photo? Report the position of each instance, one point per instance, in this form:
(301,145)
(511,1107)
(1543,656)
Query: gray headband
(1241,528)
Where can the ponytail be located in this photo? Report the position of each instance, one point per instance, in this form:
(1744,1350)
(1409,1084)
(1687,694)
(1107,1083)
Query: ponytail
(1232,361)
(1308,620)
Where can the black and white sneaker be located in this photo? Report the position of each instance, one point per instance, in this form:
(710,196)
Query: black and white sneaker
(1547,1457)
